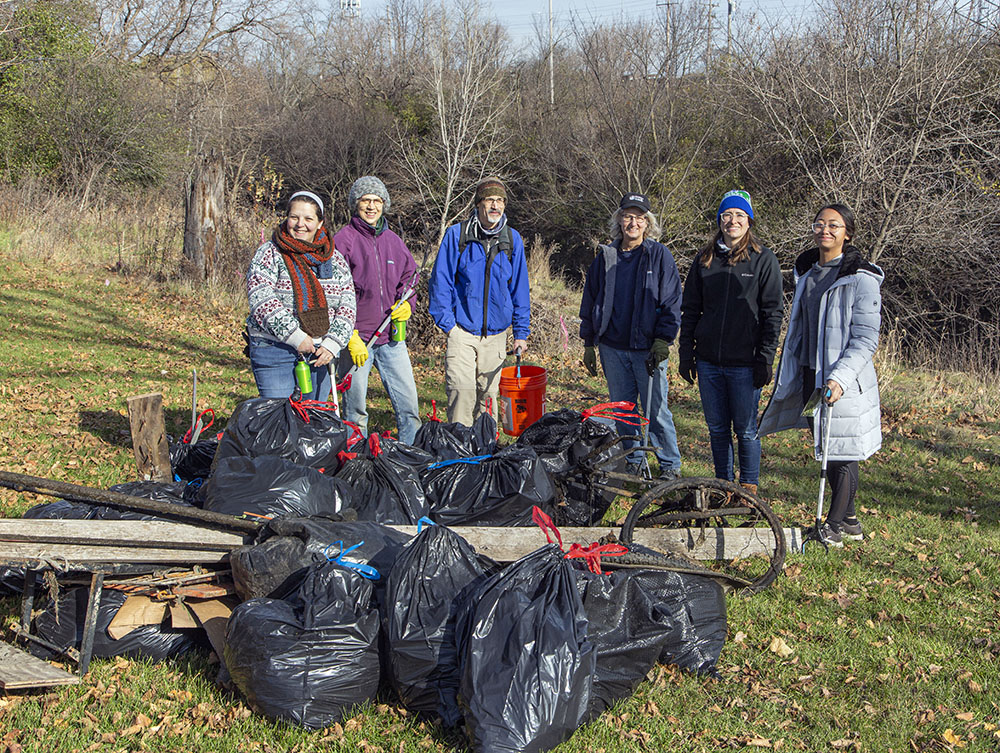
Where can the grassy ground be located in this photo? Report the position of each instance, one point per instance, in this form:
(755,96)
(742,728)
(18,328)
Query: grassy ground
(887,645)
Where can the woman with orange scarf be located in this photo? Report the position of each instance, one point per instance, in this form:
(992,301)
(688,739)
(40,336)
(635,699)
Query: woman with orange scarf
(301,298)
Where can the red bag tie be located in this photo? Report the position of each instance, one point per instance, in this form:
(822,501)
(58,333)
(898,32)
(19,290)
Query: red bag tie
(621,410)
(433,415)
(593,553)
(374,445)
(543,521)
(301,406)
(343,456)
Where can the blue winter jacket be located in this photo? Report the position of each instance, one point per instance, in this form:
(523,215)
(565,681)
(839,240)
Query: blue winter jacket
(462,292)
(657,309)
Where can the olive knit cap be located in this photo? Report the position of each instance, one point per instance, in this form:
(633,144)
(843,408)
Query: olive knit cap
(368,184)
(491,186)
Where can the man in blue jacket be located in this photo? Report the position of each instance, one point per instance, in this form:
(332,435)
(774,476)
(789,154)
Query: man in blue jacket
(479,288)
(631,310)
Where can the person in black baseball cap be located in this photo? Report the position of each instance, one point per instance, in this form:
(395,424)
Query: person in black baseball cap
(630,312)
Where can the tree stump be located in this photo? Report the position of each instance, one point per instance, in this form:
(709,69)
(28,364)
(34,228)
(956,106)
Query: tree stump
(203,208)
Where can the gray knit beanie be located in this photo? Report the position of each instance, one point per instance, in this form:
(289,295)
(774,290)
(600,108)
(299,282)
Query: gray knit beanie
(368,184)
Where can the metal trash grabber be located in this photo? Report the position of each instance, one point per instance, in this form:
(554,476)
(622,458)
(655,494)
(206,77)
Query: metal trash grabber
(647,472)
(816,404)
(410,291)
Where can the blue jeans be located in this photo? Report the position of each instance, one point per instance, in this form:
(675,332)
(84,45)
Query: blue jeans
(273,365)
(625,371)
(393,363)
(730,402)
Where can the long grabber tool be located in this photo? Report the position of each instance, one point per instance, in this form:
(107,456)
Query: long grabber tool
(818,404)
(411,289)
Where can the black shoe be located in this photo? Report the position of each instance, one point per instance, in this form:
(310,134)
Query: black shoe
(831,536)
(670,474)
(851,529)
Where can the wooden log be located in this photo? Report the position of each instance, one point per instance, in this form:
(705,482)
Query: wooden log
(155,534)
(76,493)
(149,437)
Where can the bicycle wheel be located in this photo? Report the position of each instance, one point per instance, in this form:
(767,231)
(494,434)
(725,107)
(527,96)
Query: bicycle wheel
(734,532)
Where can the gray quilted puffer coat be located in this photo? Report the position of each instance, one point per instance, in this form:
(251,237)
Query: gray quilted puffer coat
(850,317)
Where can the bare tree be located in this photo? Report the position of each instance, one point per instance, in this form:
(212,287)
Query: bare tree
(465,97)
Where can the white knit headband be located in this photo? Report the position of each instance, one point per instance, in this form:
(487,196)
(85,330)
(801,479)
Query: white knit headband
(308,195)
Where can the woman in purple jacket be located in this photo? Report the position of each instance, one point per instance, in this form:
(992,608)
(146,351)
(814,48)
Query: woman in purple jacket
(384,270)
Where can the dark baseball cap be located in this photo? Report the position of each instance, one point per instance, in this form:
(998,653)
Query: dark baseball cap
(636,200)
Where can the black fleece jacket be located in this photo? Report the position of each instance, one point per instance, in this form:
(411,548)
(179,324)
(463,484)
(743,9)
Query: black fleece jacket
(731,315)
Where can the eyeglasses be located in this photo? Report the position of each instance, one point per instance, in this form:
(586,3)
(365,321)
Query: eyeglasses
(631,219)
(730,216)
(375,202)
(833,227)
(495,201)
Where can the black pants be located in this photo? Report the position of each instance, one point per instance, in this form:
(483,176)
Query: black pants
(842,474)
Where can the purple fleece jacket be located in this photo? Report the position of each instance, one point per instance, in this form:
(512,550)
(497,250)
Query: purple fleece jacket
(382,267)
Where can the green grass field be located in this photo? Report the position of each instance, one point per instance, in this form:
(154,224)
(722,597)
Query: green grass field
(887,645)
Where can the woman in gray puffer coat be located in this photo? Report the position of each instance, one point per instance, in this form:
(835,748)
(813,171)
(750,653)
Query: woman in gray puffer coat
(831,340)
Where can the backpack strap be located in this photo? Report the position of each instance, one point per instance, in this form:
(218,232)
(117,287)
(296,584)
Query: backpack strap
(505,242)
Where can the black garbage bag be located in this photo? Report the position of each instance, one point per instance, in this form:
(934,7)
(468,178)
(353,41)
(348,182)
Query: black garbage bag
(191,461)
(172,492)
(387,482)
(449,441)
(693,613)
(567,442)
(430,583)
(269,426)
(271,568)
(370,543)
(628,632)
(499,490)
(527,665)
(272,486)
(156,642)
(309,657)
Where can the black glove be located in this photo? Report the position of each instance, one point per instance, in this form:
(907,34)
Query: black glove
(761,375)
(689,371)
(658,353)
(590,359)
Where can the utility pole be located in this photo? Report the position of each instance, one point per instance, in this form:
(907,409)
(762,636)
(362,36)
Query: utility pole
(729,28)
(708,33)
(665,4)
(552,75)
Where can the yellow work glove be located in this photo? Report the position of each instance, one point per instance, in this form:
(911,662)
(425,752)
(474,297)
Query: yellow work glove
(356,347)
(402,312)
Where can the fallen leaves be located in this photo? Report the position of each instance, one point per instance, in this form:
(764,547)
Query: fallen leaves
(780,647)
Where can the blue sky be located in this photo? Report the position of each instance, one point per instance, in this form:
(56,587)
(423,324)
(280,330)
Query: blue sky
(520,16)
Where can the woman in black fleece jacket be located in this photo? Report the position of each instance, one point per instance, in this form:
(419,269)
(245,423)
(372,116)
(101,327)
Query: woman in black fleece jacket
(730,322)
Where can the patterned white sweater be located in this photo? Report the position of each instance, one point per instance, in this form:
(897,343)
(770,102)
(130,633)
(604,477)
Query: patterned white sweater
(269,293)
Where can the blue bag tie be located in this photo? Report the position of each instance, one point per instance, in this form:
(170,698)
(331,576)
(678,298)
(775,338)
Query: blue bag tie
(366,571)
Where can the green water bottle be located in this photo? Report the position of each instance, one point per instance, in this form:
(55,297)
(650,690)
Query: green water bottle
(399,331)
(303,376)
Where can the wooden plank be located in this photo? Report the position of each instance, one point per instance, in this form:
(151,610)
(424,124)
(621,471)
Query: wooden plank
(155,534)
(79,556)
(149,437)
(19,669)
(509,544)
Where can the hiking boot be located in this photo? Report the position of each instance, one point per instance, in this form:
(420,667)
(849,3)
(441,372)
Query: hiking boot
(851,529)
(670,474)
(831,536)
(752,488)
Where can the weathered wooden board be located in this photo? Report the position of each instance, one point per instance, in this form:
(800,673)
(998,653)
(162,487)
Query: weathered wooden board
(19,669)
(149,437)
(508,544)
(156,534)
(14,552)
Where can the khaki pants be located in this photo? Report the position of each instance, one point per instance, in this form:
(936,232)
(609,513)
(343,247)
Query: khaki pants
(472,374)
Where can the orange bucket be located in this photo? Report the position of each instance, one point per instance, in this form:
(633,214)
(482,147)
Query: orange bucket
(522,400)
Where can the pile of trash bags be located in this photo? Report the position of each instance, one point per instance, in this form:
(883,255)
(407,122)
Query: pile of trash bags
(337,608)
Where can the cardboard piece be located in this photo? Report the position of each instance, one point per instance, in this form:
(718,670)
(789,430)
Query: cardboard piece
(136,612)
